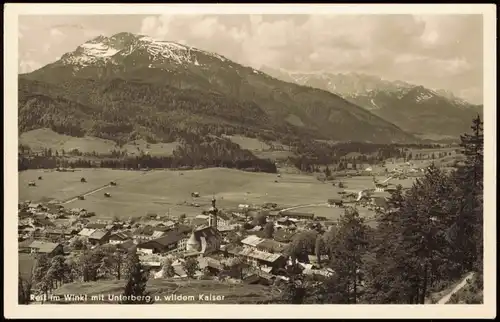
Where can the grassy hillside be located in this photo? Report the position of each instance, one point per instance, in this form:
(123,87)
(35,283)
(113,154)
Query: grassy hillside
(44,138)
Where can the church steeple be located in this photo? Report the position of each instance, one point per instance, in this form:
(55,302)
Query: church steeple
(212,213)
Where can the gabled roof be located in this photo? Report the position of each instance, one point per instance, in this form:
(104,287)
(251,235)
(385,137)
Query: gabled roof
(271,245)
(120,236)
(99,234)
(170,238)
(86,232)
(260,255)
(158,234)
(44,247)
(252,240)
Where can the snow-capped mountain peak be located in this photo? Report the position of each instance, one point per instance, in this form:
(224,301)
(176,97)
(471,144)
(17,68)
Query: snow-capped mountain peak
(113,49)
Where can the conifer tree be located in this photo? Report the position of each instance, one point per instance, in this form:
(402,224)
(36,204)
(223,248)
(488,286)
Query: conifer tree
(350,246)
(136,282)
(469,181)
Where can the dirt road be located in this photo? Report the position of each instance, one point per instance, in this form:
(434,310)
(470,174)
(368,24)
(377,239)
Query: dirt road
(457,288)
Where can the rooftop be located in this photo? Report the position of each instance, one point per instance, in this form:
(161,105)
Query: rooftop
(120,236)
(43,247)
(86,232)
(257,254)
(98,234)
(252,240)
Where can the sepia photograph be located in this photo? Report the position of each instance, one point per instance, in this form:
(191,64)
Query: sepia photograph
(271,156)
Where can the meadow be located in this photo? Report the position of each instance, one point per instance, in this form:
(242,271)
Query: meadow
(169,192)
(41,139)
(233,293)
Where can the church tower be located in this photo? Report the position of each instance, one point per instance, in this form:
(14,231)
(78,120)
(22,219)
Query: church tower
(212,213)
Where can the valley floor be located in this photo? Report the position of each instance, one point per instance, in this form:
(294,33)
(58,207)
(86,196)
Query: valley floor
(138,193)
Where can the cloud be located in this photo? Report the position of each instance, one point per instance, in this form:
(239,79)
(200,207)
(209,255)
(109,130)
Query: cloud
(431,50)
(56,33)
(26,66)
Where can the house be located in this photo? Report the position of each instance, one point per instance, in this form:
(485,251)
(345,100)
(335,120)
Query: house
(262,259)
(41,247)
(66,233)
(119,237)
(40,220)
(162,245)
(35,206)
(86,232)
(252,241)
(271,246)
(335,202)
(95,236)
(143,233)
(223,219)
(213,265)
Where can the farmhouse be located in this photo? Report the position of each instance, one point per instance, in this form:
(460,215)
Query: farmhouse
(143,233)
(169,242)
(252,241)
(99,237)
(119,237)
(336,202)
(36,206)
(61,232)
(262,259)
(271,246)
(41,247)
(223,219)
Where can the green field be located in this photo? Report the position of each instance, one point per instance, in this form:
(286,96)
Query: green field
(40,139)
(65,185)
(166,191)
(233,293)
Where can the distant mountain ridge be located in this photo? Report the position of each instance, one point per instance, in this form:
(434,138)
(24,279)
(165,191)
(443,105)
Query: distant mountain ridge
(414,108)
(128,86)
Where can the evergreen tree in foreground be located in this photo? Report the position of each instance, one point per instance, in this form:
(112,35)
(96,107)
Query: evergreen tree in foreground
(137,280)
(469,180)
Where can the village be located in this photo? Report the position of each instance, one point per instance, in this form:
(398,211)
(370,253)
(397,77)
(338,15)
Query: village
(246,244)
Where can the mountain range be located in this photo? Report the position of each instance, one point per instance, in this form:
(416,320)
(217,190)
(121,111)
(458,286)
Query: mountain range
(423,112)
(129,86)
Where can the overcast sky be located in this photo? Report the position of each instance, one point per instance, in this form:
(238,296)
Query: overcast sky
(440,51)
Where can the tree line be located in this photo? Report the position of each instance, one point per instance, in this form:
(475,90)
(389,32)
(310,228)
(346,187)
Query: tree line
(207,152)
(428,237)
